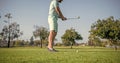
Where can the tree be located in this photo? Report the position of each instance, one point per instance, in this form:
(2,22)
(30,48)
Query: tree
(94,41)
(107,29)
(11,32)
(19,43)
(42,33)
(70,36)
(32,41)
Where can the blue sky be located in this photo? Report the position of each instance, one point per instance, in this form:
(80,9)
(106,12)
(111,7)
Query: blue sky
(28,13)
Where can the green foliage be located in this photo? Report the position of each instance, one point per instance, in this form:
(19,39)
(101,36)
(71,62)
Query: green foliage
(58,44)
(70,36)
(106,29)
(42,33)
(19,43)
(12,31)
(31,41)
(36,42)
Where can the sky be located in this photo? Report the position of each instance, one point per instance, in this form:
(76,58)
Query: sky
(28,13)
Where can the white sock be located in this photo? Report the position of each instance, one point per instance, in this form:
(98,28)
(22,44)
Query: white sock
(50,48)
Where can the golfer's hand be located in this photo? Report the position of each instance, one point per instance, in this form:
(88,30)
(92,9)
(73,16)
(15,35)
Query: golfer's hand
(64,18)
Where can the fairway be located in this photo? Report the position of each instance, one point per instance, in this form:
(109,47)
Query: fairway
(65,55)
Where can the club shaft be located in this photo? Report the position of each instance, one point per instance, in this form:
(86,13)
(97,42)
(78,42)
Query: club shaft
(72,18)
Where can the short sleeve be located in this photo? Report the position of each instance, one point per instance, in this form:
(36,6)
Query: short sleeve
(56,4)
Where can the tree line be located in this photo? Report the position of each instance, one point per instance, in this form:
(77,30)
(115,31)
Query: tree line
(103,32)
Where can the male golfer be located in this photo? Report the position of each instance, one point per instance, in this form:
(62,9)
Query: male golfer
(54,14)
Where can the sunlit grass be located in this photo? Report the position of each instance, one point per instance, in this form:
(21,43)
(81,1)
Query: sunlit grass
(65,55)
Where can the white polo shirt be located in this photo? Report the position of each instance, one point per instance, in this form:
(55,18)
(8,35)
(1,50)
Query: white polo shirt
(53,5)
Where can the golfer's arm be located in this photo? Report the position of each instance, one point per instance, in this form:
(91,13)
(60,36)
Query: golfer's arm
(59,12)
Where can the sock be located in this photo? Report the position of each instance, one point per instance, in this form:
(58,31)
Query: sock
(50,48)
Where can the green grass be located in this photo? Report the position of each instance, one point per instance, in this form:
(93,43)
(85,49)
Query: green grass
(65,55)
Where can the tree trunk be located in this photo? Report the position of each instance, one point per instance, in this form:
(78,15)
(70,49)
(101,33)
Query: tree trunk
(71,45)
(114,44)
(115,47)
(41,43)
(9,39)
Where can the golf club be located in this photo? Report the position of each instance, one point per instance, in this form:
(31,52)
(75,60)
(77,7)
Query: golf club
(74,18)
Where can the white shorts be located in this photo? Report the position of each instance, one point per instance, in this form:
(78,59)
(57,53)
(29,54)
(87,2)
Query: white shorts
(53,25)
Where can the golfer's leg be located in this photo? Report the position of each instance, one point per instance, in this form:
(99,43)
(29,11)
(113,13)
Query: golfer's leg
(53,31)
(51,38)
